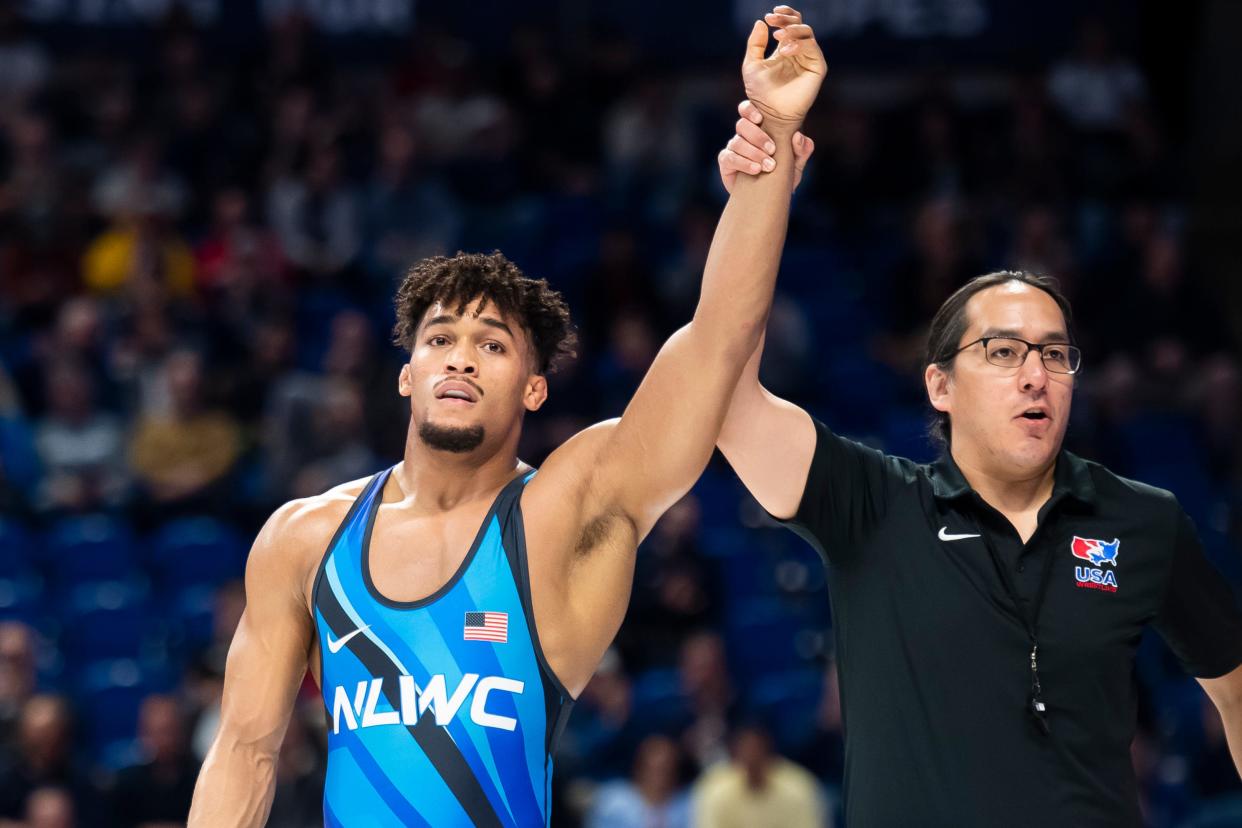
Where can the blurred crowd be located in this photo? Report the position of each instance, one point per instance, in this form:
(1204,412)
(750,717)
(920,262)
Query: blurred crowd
(197,258)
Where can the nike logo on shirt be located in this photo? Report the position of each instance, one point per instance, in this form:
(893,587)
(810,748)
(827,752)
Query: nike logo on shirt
(335,646)
(945,536)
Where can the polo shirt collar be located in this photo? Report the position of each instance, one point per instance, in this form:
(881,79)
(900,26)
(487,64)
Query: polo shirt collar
(1072,478)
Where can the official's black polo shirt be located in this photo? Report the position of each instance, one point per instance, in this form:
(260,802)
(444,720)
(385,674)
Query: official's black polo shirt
(934,658)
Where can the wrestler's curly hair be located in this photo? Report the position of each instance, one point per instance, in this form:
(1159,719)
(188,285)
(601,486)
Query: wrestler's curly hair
(456,281)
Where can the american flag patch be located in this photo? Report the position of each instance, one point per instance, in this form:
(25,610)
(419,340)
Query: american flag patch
(487,626)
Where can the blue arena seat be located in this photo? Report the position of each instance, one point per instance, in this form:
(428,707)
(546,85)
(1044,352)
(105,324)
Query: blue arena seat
(193,610)
(17,548)
(108,696)
(90,548)
(905,433)
(109,621)
(789,701)
(21,586)
(762,636)
(196,551)
(656,687)
(21,599)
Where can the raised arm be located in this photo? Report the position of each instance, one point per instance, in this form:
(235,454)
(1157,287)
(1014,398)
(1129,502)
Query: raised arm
(768,441)
(265,667)
(599,494)
(666,435)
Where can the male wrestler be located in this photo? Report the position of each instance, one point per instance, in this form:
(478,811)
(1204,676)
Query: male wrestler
(453,606)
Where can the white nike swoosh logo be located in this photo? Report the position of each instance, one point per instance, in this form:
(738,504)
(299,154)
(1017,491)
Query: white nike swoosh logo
(945,536)
(335,646)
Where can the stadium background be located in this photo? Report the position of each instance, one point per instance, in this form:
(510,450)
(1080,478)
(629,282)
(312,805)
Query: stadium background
(203,212)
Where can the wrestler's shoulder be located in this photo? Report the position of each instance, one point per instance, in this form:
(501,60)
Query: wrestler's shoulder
(299,531)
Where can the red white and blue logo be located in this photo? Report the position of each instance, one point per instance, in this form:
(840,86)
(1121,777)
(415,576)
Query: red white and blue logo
(1098,553)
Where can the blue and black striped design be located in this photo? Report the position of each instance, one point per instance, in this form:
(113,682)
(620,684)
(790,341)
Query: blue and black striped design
(425,727)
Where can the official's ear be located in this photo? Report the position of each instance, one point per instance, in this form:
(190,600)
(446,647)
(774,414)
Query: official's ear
(939,384)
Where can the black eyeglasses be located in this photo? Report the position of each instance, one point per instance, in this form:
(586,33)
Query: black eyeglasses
(1008,352)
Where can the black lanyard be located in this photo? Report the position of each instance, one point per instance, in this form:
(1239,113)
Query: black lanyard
(1035,701)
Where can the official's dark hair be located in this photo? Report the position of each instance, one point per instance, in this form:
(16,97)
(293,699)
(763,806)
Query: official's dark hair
(456,281)
(950,323)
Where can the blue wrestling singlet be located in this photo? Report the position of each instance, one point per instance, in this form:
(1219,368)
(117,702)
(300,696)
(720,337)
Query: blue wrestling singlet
(441,712)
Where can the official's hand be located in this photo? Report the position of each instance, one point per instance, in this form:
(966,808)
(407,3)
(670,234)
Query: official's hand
(783,85)
(748,150)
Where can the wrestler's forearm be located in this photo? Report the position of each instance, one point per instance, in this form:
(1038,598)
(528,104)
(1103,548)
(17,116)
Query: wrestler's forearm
(235,787)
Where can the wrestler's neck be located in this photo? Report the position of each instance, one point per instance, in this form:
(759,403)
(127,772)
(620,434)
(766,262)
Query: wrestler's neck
(435,480)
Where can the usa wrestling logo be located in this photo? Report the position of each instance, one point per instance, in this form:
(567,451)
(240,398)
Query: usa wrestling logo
(1097,553)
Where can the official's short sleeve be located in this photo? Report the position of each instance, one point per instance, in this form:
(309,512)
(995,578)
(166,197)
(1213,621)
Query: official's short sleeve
(1200,619)
(847,492)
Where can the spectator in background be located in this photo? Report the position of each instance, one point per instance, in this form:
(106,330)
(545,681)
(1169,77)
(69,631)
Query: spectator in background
(632,347)
(181,459)
(674,590)
(18,676)
(156,793)
(605,730)
(940,259)
(1218,398)
(653,796)
(1040,246)
(205,683)
(622,285)
(758,789)
(142,247)
(50,808)
(791,347)
(150,329)
(109,118)
(1167,312)
(82,449)
(19,460)
(648,152)
(77,335)
(855,180)
(338,449)
(31,195)
(201,147)
(354,356)
(1030,165)
(822,750)
(677,284)
(935,160)
(1095,87)
(1098,91)
(410,214)
(298,426)
(710,698)
(239,262)
(316,216)
(24,64)
(42,757)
